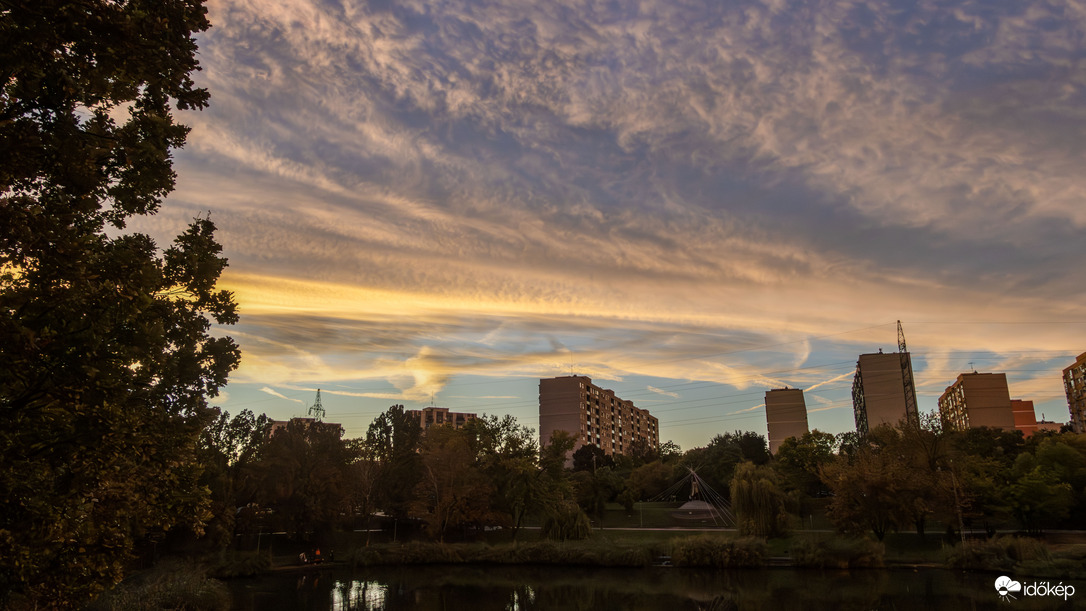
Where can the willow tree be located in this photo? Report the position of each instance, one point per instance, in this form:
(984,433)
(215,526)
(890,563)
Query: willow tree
(758,502)
(106,355)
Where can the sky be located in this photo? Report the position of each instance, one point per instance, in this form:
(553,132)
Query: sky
(692,202)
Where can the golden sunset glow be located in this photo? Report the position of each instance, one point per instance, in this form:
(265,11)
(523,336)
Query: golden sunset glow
(446,203)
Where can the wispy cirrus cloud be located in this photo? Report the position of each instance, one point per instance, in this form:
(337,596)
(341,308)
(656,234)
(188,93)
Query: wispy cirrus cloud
(276,393)
(413,191)
(660,391)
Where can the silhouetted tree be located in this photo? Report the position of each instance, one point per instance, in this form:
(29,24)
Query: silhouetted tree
(107,357)
(590,457)
(304,470)
(393,440)
(228,451)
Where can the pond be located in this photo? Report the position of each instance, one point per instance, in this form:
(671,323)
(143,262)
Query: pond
(523,588)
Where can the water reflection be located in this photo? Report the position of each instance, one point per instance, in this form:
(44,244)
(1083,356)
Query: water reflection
(359,594)
(537,588)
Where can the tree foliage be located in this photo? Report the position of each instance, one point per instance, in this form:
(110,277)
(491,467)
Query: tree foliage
(590,457)
(305,476)
(716,462)
(868,488)
(800,459)
(228,450)
(392,441)
(107,354)
(506,453)
(758,502)
(452,491)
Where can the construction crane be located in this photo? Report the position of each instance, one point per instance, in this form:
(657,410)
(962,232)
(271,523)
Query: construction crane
(911,411)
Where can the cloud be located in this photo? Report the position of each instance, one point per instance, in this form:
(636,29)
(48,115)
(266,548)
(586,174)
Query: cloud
(843,376)
(827,408)
(275,393)
(412,191)
(666,393)
(748,410)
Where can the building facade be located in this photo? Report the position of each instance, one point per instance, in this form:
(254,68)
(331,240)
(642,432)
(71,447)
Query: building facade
(593,415)
(439,416)
(785,415)
(878,391)
(1025,418)
(1074,384)
(975,400)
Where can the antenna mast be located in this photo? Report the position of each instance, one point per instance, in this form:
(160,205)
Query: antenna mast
(907,377)
(316,411)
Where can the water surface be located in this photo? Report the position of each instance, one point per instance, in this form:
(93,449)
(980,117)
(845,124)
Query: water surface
(523,588)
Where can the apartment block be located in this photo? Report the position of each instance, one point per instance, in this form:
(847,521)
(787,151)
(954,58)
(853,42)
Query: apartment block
(1025,418)
(438,416)
(975,400)
(593,415)
(785,414)
(878,391)
(1074,384)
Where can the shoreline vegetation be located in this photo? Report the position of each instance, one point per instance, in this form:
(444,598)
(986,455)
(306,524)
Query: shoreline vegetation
(200,585)
(1022,554)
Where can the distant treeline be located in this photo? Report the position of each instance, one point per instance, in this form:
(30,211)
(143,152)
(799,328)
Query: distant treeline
(455,483)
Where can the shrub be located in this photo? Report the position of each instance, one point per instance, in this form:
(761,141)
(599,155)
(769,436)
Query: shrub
(715,552)
(1054,568)
(170,586)
(567,522)
(415,552)
(840,553)
(240,564)
(998,554)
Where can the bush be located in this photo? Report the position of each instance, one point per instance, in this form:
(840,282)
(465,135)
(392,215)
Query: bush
(567,522)
(714,552)
(998,554)
(240,564)
(415,552)
(170,586)
(543,552)
(1054,568)
(838,553)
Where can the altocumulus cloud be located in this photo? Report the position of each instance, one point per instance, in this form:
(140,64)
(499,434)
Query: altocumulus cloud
(413,189)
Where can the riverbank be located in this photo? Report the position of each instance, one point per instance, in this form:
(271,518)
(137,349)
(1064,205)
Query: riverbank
(1057,556)
(187,582)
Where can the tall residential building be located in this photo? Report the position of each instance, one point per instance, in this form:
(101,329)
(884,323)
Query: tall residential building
(1074,383)
(593,415)
(976,400)
(1025,418)
(878,390)
(434,416)
(785,415)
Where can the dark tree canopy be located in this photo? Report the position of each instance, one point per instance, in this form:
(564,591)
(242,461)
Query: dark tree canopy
(106,355)
(392,441)
(590,457)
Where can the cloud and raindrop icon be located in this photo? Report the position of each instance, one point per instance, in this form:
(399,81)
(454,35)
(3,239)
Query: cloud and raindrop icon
(1006,587)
